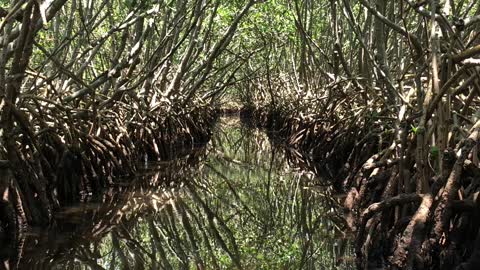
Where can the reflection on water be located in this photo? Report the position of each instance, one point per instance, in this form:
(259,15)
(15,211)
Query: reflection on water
(236,204)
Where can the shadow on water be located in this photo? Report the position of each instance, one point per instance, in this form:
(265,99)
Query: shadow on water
(238,203)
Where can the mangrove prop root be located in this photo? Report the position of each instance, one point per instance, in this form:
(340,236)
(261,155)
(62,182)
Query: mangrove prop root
(68,165)
(412,236)
(397,227)
(443,210)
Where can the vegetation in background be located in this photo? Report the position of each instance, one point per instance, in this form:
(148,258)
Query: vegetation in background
(89,88)
(384,94)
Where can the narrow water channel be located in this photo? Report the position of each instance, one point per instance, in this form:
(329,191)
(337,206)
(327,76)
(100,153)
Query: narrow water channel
(237,203)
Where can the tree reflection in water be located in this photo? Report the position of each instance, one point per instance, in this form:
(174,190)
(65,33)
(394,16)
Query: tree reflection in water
(237,204)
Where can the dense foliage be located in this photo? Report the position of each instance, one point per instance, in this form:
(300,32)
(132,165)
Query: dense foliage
(390,88)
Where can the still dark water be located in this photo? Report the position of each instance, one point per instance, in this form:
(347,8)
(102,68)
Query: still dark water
(237,203)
